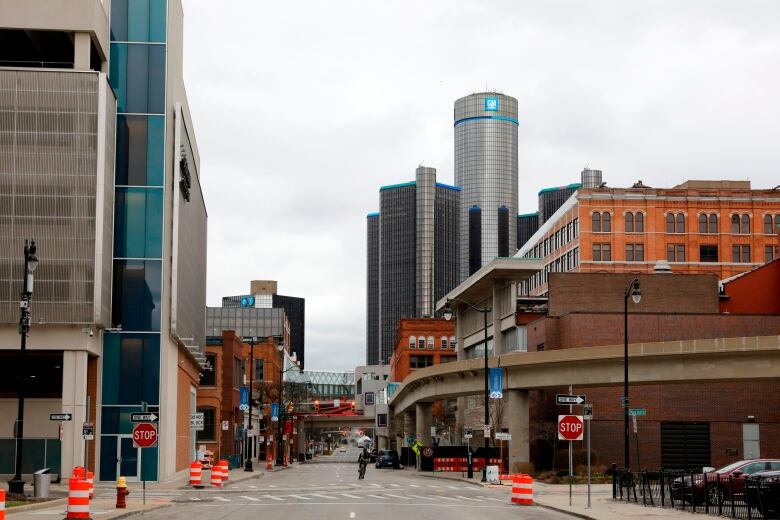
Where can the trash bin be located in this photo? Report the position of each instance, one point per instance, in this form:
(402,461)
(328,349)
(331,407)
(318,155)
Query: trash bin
(491,474)
(41,483)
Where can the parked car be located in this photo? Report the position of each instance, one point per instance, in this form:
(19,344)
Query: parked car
(763,493)
(716,485)
(343,449)
(388,458)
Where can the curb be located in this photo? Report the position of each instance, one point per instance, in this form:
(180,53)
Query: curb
(455,479)
(565,511)
(37,505)
(140,511)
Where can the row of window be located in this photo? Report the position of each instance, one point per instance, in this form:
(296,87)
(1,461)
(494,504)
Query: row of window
(709,253)
(444,342)
(555,241)
(562,264)
(675,223)
(427,361)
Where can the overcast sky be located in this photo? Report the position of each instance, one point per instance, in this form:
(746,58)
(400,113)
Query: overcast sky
(303,109)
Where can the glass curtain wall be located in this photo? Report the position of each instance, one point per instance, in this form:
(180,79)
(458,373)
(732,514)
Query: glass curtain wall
(131,356)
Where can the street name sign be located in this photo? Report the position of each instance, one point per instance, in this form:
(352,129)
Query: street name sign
(145,435)
(143,417)
(570,427)
(503,436)
(564,399)
(60,417)
(637,411)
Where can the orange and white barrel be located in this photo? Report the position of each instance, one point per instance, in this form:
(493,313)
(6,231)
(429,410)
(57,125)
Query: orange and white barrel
(224,468)
(196,474)
(2,504)
(78,499)
(216,476)
(523,490)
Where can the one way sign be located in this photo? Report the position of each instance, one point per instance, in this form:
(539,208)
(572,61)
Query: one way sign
(564,399)
(143,417)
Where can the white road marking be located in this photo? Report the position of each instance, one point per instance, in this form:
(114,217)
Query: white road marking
(253,499)
(434,487)
(352,514)
(398,496)
(349,496)
(252,487)
(494,499)
(453,487)
(274,498)
(397,485)
(413,485)
(418,496)
(323,496)
(222,499)
(467,498)
(448,498)
(377,496)
(376,485)
(195,499)
(300,497)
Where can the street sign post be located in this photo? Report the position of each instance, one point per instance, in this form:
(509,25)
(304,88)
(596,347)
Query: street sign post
(565,399)
(60,417)
(145,435)
(570,427)
(637,411)
(587,414)
(144,417)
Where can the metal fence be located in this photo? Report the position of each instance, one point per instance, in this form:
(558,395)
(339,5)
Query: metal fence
(710,493)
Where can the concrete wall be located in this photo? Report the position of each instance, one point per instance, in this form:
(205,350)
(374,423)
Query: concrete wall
(36,417)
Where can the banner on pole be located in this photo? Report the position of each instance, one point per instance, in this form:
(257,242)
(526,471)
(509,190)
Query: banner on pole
(274,412)
(496,383)
(244,398)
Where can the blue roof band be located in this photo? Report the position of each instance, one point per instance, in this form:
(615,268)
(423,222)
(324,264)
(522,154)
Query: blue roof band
(393,186)
(455,188)
(375,214)
(477,118)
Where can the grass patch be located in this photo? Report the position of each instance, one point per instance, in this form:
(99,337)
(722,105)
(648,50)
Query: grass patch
(14,503)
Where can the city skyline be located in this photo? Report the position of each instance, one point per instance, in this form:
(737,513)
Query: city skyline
(623,88)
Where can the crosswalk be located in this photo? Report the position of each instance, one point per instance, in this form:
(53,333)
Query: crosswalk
(419,496)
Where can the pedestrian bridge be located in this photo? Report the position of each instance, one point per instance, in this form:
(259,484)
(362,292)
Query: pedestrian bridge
(722,359)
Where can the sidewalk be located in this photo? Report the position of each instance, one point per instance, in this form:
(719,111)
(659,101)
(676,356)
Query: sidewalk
(556,497)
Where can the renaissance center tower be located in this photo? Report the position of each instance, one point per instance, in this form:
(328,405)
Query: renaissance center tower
(486,171)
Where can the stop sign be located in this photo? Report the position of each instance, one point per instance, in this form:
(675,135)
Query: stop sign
(144,435)
(570,427)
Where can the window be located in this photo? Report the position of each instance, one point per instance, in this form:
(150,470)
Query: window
(740,254)
(412,341)
(444,342)
(639,222)
(680,223)
(702,223)
(708,224)
(209,375)
(670,222)
(209,420)
(420,361)
(745,224)
(238,372)
(629,222)
(381,420)
(770,228)
(713,224)
(740,225)
(453,343)
(770,253)
(596,222)
(368,398)
(735,224)
(421,342)
(447,359)
(259,373)
(635,252)
(430,341)
(602,252)
(606,224)
(675,252)
(708,253)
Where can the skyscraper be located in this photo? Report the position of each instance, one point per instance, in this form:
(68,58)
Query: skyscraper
(411,256)
(486,170)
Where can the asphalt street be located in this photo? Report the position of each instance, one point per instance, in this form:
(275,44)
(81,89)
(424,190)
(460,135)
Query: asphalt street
(329,489)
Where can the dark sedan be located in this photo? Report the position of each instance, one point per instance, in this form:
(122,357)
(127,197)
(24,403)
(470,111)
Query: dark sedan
(724,484)
(388,459)
(762,490)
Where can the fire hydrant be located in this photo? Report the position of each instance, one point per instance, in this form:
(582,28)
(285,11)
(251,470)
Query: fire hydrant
(121,493)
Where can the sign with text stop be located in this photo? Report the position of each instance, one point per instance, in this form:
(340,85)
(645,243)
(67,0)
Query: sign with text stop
(145,435)
(570,427)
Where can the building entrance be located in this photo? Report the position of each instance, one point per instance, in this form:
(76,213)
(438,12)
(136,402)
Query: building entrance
(128,459)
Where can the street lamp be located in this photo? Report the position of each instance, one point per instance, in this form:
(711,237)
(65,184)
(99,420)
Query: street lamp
(279,444)
(250,440)
(484,310)
(636,295)
(16,485)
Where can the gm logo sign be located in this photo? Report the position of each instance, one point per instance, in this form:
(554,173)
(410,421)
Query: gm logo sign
(491,104)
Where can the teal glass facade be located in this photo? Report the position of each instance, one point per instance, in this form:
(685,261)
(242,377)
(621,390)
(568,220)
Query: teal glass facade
(131,356)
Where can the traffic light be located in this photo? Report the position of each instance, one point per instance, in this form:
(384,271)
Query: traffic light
(352,406)
(316,407)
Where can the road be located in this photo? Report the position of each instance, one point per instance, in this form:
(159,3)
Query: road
(329,489)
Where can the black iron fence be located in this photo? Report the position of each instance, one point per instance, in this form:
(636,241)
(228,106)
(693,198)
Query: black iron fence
(709,493)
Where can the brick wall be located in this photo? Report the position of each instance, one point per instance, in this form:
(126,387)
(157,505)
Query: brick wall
(755,293)
(188,375)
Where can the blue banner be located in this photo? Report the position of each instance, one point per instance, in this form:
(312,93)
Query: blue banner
(274,412)
(496,376)
(244,393)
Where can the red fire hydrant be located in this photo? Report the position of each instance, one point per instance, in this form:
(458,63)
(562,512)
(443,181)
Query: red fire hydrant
(121,493)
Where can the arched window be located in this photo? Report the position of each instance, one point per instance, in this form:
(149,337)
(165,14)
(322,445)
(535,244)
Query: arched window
(745,224)
(713,224)
(596,222)
(430,341)
(421,342)
(768,225)
(412,341)
(735,224)
(444,342)
(629,222)
(670,222)
(606,222)
(453,343)
(639,222)
(702,223)
(680,227)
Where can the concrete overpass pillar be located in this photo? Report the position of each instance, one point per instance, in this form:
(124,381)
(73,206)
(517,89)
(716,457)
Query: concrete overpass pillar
(517,421)
(423,423)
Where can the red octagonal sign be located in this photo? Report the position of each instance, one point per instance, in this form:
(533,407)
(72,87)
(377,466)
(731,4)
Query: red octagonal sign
(144,435)
(570,427)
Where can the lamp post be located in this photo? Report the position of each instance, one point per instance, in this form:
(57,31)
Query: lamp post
(279,443)
(250,439)
(636,295)
(484,310)
(16,485)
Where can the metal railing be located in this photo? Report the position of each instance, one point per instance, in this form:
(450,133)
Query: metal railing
(696,492)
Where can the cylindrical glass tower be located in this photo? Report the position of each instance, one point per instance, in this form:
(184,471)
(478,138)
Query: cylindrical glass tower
(486,170)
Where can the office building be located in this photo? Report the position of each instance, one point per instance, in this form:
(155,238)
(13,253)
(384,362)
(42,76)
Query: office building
(104,175)
(550,199)
(721,227)
(262,294)
(527,224)
(486,171)
(412,256)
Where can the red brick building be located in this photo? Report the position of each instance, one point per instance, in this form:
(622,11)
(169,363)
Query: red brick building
(420,343)
(686,424)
